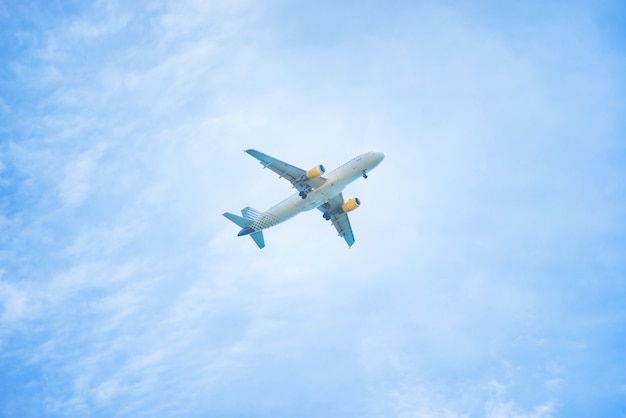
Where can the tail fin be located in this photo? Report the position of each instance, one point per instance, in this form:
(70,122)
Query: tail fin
(251,213)
(245,223)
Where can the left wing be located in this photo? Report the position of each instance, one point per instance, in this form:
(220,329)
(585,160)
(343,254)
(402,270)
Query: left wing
(303,181)
(339,218)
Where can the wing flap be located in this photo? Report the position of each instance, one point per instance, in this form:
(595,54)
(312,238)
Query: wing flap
(339,219)
(342,225)
(296,176)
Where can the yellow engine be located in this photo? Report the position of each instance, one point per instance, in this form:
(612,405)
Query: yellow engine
(315,172)
(351,204)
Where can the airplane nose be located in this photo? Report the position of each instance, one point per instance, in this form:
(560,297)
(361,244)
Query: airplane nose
(375,158)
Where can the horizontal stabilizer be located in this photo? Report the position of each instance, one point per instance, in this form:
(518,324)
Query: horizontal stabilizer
(242,222)
(245,223)
(258,238)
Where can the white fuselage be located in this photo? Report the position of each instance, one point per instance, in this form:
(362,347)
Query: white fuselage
(335,182)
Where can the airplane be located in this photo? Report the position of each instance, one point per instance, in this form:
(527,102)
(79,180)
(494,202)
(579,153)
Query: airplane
(314,191)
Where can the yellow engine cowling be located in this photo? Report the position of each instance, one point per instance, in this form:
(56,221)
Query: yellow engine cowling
(351,204)
(315,172)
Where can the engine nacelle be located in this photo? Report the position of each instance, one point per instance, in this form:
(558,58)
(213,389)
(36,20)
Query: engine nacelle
(315,172)
(351,205)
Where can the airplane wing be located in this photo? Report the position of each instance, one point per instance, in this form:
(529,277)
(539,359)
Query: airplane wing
(296,176)
(338,218)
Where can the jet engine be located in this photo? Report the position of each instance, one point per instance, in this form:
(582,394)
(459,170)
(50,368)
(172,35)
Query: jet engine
(315,172)
(351,205)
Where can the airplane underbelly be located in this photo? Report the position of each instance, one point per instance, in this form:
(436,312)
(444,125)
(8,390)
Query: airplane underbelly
(295,204)
(321,196)
(285,210)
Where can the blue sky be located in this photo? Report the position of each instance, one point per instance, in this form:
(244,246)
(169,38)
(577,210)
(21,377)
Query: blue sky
(487,279)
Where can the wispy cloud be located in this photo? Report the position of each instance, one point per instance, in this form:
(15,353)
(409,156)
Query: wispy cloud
(486,276)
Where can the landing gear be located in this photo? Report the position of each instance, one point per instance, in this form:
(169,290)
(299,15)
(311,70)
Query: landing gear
(326,214)
(305,190)
(364,175)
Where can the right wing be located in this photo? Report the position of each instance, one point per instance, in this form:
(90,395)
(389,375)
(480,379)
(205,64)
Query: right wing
(296,176)
(339,218)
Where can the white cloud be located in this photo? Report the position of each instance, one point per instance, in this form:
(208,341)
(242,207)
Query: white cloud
(508,409)
(470,399)
(75,185)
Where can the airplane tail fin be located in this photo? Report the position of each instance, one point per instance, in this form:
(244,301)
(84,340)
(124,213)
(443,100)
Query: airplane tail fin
(251,213)
(244,223)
